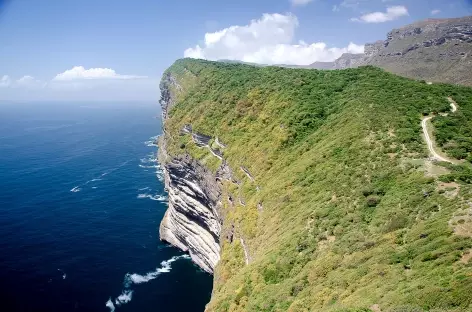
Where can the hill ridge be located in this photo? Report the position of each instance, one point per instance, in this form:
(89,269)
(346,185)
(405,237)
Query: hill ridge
(341,211)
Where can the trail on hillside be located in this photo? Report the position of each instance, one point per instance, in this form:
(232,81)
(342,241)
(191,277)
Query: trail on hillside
(453,104)
(429,142)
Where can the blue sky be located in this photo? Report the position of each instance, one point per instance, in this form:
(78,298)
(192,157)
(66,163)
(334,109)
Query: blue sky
(117,50)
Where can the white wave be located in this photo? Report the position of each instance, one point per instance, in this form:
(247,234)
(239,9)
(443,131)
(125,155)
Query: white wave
(110,305)
(125,297)
(76,189)
(147,167)
(93,180)
(150,143)
(113,169)
(135,278)
(152,197)
(152,158)
(144,188)
(165,268)
(148,160)
(160,174)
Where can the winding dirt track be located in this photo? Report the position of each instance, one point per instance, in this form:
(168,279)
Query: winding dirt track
(429,142)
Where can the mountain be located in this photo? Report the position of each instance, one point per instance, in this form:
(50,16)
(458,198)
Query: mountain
(437,50)
(347,60)
(309,190)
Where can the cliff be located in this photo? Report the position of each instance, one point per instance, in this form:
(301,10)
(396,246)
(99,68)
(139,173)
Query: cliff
(437,50)
(192,221)
(308,190)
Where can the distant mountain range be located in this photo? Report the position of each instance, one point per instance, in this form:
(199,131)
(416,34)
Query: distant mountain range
(437,50)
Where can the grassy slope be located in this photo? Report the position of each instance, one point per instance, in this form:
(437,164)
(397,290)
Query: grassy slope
(348,220)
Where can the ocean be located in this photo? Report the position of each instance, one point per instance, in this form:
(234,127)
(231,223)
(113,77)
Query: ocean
(81,199)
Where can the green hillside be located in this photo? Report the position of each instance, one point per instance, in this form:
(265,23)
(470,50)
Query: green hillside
(344,212)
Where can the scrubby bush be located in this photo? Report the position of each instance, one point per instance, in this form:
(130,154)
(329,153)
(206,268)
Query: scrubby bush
(373,201)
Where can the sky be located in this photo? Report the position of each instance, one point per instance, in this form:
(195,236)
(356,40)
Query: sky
(116,50)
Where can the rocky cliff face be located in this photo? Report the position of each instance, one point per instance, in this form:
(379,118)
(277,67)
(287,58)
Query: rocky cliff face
(437,50)
(444,39)
(192,222)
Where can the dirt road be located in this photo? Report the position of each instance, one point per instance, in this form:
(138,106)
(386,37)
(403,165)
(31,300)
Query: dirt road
(429,142)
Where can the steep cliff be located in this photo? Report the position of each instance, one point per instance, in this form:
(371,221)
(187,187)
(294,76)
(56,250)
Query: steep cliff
(192,221)
(308,190)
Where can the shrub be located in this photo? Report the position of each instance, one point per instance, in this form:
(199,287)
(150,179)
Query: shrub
(373,201)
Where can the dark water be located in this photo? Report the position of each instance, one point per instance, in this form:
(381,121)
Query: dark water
(80,205)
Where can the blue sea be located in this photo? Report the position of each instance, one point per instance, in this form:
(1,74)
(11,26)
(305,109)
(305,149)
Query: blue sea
(81,199)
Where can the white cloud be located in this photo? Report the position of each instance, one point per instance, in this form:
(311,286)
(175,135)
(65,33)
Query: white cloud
(25,80)
(300,2)
(28,88)
(336,8)
(80,73)
(30,82)
(5,81)
(435,12)
(392,13)
(268,40)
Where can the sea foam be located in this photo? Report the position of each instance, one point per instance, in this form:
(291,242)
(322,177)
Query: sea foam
(152,197)
(165,268)
(110,305)
(125,297)
(135,278)
(152,141)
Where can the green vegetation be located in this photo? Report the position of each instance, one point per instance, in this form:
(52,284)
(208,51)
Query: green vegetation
(350,218)
(454,132)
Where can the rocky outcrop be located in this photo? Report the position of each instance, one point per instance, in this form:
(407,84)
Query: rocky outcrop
(192,221)
(318,65)
(372,49)
(426,34)
(201,140)
(168,83)
(348,60)
(437,50)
